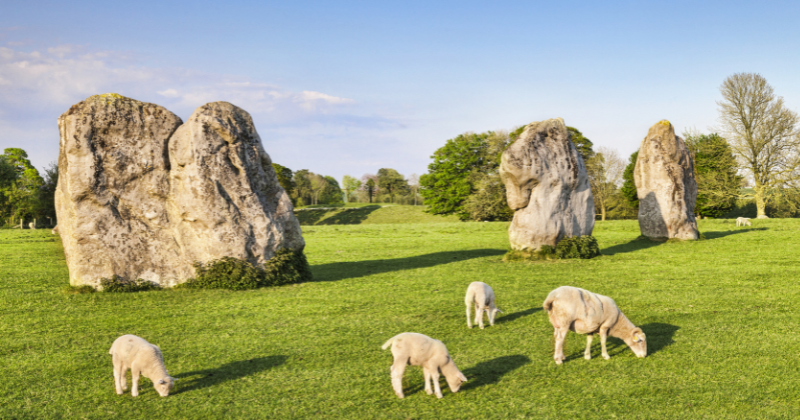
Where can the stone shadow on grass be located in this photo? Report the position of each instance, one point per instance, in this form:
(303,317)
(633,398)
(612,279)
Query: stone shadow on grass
(511,317)
(351,269)
(724,233)
(490,371)
(198,379)
(343,216)
(634,245)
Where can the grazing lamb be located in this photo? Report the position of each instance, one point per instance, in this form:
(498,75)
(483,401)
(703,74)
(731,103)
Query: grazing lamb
(32,225)
(482,296)
(743,221)
(420,350)
(135,353)
(584,312)
(55,230)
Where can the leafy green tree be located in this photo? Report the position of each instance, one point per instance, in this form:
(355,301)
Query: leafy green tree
(350,185)
(628,189)
(716,174)
(332,193)
(449,181)
(302,187)
(21,197)
(370,187)
(285,179)
(489,201)
(46,201)
(583,144)
(392,183)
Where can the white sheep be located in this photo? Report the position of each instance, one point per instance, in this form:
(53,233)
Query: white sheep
(32,225)
(55,230)
(584,312)
(135,353)
(481,295)
(420,350)
(743,221)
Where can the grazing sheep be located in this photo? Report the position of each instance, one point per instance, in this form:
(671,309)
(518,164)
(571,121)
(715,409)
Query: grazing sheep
(420,350)
(32,225)
(55,230)
(743,221)
(584,312)
(135,353)
(482,296)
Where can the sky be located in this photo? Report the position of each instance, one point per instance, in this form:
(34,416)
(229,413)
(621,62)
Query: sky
(349,87)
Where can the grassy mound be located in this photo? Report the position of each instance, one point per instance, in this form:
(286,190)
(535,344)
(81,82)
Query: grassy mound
(360,213)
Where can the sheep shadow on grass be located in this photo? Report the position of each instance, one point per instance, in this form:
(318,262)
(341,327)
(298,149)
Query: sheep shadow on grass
(490,371)
(512,317)
(198,379)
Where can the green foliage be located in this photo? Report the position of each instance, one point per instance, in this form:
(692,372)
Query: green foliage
(370,187)
(392,183)
(716,174)
(302,187)
(628,188)
(581,143)
(332,193)
(581,247)
(284,175)
(350,185)
(20,193)
(286,266)
(116,284)
(448,182)
(489,201)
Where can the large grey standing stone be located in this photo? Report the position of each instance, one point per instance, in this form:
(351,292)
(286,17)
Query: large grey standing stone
(665,184)
(140,195)
(547,186)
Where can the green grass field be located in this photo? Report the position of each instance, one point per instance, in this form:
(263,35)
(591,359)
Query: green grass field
(367,214)
(721,317)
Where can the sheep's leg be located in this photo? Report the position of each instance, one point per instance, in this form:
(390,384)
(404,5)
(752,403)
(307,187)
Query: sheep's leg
(135,381)
(469,318)
(479,310)
(603,336)
(561,336)
(588,353)
(427,374)
(398,367)
(118,372)
(435,379)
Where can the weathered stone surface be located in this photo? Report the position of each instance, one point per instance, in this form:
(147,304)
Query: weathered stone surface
(665,184)
(547,186)
(142,195)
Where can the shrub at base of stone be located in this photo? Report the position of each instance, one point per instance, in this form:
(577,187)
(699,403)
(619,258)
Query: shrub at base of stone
(116,284)
(583,247)
(287,266)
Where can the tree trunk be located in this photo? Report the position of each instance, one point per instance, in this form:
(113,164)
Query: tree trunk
(602,211)
(761,202)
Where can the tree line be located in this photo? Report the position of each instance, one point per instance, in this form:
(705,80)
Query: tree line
(25,195)
(751,167)
(387,186)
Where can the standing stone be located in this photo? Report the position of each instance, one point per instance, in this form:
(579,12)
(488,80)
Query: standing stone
(547,187)
(665,184)
(140,195)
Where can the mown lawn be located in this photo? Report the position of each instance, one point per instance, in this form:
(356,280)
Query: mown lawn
(721,316)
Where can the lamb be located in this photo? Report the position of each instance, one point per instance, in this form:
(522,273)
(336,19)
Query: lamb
(743,221)
(135,353)
(482,296)
(55,230)
(32,225)
(584,312)
(420,350)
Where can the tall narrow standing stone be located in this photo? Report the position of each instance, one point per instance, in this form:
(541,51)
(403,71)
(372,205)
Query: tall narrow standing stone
(665,184)
(547,186)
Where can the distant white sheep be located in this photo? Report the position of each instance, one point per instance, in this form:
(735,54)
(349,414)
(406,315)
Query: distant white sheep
(135,353)
(54,231)
(584,312)
(32,224)
(743,221)
(481,295)
(420,350)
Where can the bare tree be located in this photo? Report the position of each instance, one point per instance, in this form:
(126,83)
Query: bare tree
(605,170)
(762,133)
(413,183)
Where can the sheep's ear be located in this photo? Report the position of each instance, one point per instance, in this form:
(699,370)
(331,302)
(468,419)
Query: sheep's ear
(462,377)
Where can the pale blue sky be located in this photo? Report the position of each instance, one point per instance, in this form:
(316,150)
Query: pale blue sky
(350,87)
